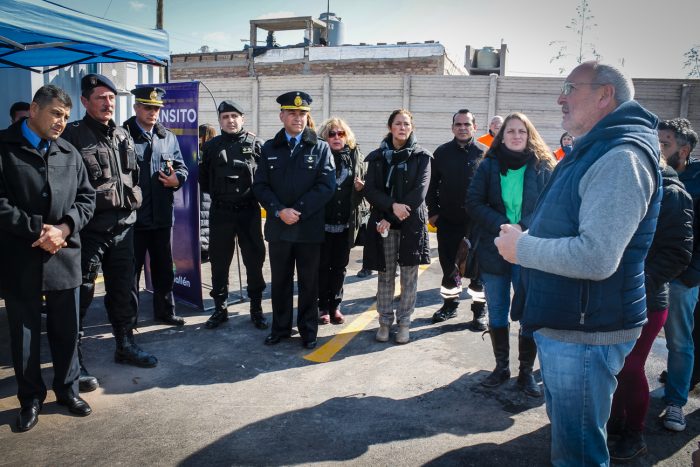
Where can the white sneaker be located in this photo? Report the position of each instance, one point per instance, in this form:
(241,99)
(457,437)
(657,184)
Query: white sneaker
(674,419)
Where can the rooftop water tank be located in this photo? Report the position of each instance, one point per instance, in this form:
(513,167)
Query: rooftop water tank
(486,57)
(336,29)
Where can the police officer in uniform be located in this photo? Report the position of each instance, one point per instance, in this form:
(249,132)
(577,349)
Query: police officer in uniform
(294,181)
(162,171)
(228,165)
(108,239)
(451,172)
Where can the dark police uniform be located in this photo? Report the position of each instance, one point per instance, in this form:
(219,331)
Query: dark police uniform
(229,162)
(107,241)
(452,170)
(155,151)
(37,189)
(303,178)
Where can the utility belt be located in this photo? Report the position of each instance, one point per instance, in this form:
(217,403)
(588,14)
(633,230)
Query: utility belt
(233,206)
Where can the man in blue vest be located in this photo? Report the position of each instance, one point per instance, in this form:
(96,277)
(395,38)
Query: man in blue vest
(582,282)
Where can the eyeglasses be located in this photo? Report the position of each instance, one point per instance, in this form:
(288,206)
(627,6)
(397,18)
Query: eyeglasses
(339,134)
(568,87)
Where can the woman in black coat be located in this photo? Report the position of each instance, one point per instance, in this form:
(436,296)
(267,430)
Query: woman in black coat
(504,190)
(345,212)
(398,174)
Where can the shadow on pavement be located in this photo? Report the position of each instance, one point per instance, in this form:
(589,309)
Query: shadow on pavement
(304,436)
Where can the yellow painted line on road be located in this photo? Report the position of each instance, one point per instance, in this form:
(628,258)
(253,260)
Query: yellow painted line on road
(328,350)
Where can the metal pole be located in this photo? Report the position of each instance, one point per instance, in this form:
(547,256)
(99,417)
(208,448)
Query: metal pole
(159,25)
(240,281)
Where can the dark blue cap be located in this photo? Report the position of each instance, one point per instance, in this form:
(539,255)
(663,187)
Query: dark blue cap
(149,95)
(295,100)
(93,80)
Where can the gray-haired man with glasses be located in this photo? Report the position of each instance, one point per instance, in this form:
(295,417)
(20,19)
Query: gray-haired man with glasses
(582,281)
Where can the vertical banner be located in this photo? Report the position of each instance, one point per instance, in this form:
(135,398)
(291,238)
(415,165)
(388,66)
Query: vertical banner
(180,115)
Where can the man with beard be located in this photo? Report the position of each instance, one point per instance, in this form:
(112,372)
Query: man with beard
(45,199)
(162,172)
(228,165)
(677,140)
(108,239)
(451,173)
(295,180)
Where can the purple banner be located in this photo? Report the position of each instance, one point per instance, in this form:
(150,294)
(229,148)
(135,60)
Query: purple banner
(180,115)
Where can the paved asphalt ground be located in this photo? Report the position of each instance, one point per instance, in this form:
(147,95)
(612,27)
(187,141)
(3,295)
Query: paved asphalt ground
(221,397)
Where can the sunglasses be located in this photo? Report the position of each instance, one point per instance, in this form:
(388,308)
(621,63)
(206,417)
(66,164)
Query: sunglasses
(569,87)
(339,134)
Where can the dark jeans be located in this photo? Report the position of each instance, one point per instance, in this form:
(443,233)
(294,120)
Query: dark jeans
(225,226)
(115,254)
(283,257)
(157,244)
(335,255)
(631,399)
(24,318)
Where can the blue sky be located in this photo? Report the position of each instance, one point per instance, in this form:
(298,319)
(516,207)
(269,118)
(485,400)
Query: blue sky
(650,37)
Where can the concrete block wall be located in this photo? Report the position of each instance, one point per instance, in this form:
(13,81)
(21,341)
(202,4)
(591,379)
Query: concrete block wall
(366,101)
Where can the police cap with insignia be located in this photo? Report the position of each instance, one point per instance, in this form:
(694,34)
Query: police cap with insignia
(149,95)
(295,100)
(229,106)
(94,80)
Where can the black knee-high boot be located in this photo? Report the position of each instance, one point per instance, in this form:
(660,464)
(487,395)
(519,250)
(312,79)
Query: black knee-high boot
(527,352)
(501,350)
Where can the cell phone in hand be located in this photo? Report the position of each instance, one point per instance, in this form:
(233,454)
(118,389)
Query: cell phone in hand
(166,167)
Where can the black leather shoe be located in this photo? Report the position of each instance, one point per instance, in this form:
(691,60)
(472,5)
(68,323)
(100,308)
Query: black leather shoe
(173,320)
(87,382)
(219,316)
(272,340)
(259,321)
(309,344)
(75,405)
(28,416)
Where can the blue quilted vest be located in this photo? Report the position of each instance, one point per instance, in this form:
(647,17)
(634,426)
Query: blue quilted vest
(615,303)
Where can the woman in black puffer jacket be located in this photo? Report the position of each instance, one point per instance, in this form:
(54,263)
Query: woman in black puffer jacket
(398,174)
(206,132)
(504,190)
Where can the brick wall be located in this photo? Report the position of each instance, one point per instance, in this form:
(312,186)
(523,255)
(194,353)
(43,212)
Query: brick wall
(200,67)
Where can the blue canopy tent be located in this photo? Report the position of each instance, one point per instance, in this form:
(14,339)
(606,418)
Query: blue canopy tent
(37,33)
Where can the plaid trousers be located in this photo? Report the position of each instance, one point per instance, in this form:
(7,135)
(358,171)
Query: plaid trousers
(387,284)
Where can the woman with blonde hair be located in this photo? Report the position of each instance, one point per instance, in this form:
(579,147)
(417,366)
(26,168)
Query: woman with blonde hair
(504,190)
(345,212)
(398,174)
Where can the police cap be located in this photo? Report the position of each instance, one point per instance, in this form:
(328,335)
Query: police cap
(229,106)
(93,80)
(149,95)
(294,100)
